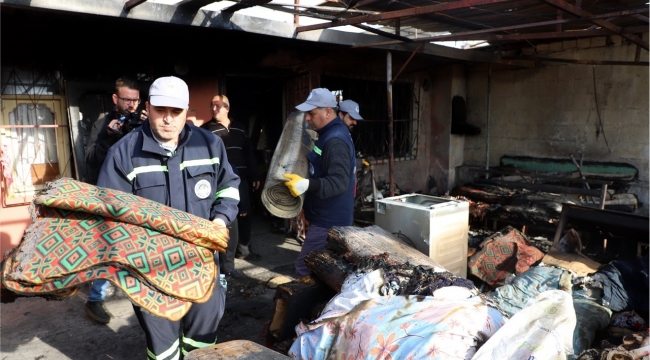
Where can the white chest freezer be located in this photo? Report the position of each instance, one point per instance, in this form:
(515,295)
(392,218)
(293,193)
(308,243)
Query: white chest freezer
(437,227)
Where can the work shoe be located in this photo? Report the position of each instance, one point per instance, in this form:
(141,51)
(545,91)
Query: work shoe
(98,312)
(251,256)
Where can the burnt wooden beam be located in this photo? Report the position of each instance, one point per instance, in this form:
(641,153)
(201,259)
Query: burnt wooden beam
(130,4)
(355,244)
(422,10)
(466,35)
(328,267)
(572,9)
(540,187)
(294,302)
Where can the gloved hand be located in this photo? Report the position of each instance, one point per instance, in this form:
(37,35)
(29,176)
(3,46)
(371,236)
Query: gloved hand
(365,163)
(219,221)
(296,184)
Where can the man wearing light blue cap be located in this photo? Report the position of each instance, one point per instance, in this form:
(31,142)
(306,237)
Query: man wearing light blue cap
(349,113)
(329,191)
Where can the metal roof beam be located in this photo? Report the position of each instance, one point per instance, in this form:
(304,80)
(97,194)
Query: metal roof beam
(244,4)
(193,5)
(132,3)
(398,38)
(383,33)
(422,10)
(473,35)
(553,35)
(572,9)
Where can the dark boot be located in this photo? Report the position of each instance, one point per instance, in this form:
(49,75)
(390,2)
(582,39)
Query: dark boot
(98,312)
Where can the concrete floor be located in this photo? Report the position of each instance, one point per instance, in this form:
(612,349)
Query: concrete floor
(33,328)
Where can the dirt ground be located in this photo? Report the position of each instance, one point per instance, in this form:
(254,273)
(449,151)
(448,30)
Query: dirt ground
(33,328)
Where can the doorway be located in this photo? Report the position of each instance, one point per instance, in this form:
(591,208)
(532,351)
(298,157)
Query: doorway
(257,103)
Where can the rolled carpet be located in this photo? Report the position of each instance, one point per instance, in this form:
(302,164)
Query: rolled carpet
(290,157)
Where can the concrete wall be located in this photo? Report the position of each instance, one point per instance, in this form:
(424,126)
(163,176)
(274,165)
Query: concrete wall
(411,175)
(439,152)
(551,111)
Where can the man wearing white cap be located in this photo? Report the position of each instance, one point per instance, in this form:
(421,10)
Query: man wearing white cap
(182,166)
(329,191)
(349,113)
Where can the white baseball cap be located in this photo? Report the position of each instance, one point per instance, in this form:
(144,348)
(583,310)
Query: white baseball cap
(350,107)
(318,98)
(169,91)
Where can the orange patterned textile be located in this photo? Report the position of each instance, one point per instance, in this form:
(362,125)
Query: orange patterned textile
(151,252)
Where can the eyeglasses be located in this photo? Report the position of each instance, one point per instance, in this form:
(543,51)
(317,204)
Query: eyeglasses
(219,106)
(127,100)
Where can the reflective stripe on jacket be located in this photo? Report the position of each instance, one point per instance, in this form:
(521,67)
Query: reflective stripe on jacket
(196,178)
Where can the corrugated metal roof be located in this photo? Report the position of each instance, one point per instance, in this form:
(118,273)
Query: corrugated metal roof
(580,18)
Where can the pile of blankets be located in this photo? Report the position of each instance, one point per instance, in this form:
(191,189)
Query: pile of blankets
(160,257)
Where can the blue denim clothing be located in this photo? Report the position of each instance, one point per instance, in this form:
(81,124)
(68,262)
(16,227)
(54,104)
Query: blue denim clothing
(315,239)
(98,290)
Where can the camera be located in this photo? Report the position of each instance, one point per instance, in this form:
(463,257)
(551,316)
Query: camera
(130,121)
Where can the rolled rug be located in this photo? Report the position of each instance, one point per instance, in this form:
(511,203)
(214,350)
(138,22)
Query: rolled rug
(290,157)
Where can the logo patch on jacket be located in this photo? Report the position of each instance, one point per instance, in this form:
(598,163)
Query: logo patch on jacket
(202,189)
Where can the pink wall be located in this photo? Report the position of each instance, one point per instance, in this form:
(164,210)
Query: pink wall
(13,222)
(201,93)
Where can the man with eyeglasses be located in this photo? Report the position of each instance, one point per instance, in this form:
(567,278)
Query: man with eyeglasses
(241,157)
(329,191)
(106,132)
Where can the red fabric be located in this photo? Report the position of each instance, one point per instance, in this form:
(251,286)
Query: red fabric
(504,253)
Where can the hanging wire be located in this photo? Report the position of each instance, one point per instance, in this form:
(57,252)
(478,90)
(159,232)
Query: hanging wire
(600,120)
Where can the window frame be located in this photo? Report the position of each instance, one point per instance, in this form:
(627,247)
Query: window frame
(56,105)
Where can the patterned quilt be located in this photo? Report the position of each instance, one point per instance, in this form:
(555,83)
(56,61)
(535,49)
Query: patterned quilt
(401,327)
(505,253)
(162,258)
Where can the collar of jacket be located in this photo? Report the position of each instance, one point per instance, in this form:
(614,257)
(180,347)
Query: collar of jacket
(322,130)
(151,145)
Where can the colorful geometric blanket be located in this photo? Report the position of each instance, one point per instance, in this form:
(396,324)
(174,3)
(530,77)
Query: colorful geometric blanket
(148,250)
(504,253)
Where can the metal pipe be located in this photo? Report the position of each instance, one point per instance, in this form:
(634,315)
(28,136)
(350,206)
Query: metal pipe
(406,63)
(487,125)
(389,108)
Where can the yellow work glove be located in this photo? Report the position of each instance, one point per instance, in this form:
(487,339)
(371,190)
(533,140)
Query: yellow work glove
(296,184)
(365,163)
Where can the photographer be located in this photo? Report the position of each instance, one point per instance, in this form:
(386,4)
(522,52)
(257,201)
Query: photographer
(106,132)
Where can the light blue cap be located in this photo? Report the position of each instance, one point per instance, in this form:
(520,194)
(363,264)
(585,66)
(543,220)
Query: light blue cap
(318,98)
(350,107)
